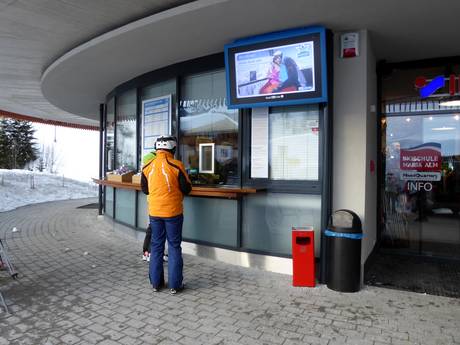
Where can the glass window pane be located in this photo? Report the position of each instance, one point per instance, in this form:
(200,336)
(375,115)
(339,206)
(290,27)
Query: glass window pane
(142,211)
(421,190)
(294,143)
(160,89)
(211,220)
(269,218)
(205,119)
(125,204)
(109,191)
(165,88)
(126,130)
(110,132)
(207,158)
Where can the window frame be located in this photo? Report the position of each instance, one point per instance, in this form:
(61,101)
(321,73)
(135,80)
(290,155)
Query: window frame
(201,158)
(116,164)
(177,72)
(106,156)
(216,67)
(213,62)
(284,186)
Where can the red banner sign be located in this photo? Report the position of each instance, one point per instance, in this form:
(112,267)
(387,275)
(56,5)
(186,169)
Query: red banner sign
(426,157)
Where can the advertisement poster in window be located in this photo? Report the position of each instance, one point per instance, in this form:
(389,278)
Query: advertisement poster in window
(422,162)
(259,143)
(156,121)
(420,166)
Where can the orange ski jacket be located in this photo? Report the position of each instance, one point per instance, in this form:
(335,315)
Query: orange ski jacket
(165,180)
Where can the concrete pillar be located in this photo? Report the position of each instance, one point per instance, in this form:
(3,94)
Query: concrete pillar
(354,186)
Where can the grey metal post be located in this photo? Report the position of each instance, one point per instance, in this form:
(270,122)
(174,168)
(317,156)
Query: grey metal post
(101,144)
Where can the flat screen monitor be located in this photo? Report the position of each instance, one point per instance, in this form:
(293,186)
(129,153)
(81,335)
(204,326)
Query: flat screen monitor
(282,68)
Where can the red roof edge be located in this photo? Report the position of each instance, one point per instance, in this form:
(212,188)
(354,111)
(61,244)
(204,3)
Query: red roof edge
(16,116)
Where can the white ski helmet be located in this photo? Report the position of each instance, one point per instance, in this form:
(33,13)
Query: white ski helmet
(166,143)
(278,53)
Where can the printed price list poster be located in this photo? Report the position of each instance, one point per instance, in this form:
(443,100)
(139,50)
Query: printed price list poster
(156,121)
(259,143)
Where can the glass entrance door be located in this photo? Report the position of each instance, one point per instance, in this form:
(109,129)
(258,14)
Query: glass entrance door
(421,184)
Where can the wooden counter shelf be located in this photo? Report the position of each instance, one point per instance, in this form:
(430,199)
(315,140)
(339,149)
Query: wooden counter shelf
(215,192)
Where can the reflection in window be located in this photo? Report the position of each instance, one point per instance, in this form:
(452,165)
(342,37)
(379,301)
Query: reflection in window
(110,132)
(269,218)
(206,158)
(421,186)
(126,130)
(294,143)
(205,119)
(407,133)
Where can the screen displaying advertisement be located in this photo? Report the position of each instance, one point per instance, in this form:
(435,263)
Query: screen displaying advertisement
(277,69)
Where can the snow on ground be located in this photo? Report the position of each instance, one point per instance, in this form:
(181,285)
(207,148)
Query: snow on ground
(23,187)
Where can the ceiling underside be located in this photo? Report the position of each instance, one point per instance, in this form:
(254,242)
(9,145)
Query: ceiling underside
(35,33)
(39,40)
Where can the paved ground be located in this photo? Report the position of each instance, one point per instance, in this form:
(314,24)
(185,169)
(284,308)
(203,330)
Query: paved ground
(81,283)
(415,273)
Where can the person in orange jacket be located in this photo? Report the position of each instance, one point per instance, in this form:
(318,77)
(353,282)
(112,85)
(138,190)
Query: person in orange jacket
(166,182)
(147,159)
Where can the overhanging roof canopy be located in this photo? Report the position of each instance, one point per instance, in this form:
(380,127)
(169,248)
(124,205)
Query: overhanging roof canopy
(79,79)
(33,34)
(11,115)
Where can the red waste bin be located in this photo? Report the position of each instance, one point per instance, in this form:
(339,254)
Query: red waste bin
(303,256)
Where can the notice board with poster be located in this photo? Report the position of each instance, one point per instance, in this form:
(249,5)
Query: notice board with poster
(156,121)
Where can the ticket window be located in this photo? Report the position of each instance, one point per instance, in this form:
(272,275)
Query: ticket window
(208,131)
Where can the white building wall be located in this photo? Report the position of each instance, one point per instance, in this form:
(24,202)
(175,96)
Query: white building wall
(370,219)
(354,187)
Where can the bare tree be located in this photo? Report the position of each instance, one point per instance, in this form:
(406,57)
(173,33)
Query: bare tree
(49,160)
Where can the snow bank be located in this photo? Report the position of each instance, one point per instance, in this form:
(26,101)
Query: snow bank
(23,187)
